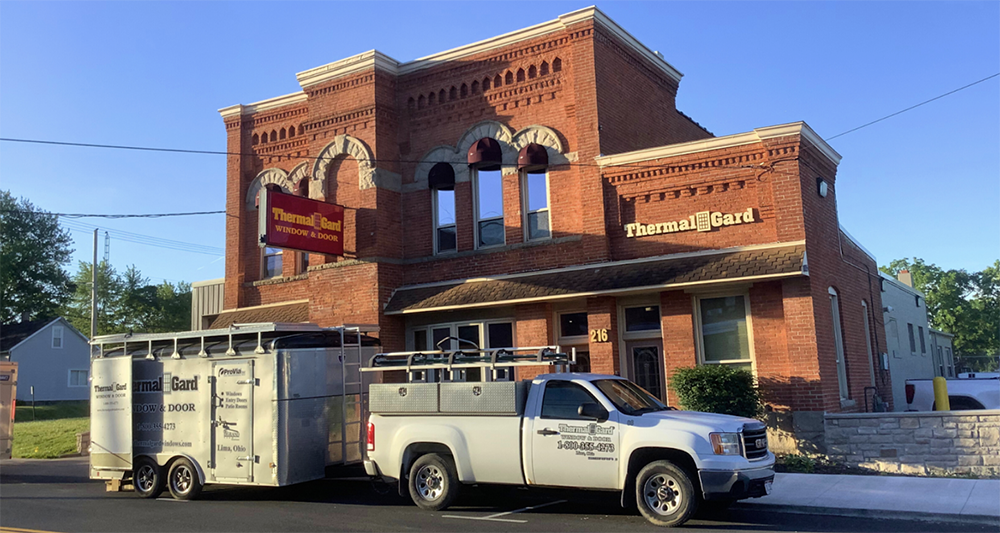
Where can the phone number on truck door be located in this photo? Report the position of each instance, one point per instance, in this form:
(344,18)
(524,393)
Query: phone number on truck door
(601,447)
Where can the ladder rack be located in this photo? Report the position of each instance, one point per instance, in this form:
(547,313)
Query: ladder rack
(492,359)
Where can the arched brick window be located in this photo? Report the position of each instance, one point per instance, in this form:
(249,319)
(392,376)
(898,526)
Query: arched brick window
(484,159)
(533,162)
(441,181)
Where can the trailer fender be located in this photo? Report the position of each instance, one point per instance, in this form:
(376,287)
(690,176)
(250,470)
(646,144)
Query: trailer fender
(197,465)
(410,440)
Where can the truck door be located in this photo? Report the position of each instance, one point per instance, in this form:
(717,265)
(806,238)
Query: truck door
(232,420)
(569,450)
(111,413)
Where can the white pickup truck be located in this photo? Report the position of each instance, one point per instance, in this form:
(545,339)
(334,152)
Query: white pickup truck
(570,430)
(970,391)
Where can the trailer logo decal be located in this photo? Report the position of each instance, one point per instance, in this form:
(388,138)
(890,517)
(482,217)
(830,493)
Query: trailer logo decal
(402,391)
(238,371)
(165,384)
(477,390)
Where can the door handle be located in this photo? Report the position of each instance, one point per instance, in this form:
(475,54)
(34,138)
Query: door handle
(547,432)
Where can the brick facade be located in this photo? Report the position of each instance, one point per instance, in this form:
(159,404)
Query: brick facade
(364,132)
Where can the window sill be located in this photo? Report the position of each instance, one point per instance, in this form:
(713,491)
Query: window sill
(492,249)
(275,281)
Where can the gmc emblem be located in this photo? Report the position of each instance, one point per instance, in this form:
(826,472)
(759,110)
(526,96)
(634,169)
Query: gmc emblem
(402,391)
(760,444)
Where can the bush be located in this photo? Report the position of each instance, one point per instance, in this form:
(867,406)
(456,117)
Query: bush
(799,463)
(718,389)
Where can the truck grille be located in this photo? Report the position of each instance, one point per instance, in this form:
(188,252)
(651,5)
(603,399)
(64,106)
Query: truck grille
(754,442)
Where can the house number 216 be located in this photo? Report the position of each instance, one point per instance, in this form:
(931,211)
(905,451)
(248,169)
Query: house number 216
(599,335)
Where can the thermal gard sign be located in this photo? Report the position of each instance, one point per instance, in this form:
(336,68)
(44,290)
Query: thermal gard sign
(298,223)
(703,221)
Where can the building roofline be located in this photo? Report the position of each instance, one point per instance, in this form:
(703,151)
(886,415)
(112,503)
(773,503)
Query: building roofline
(857,243)
(717,143)
(939,332)
(376,59)
(207,282)
(43,328)
(901,285)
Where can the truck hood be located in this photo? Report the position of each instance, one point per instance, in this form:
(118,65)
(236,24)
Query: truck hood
(708,422)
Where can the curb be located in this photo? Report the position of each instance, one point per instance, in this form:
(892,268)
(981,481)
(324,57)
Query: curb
(986,520)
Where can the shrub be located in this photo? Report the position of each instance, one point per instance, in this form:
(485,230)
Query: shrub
(718,389)
(799,463)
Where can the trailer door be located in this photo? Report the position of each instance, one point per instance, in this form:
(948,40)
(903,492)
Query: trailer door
(232,418)
(111,413)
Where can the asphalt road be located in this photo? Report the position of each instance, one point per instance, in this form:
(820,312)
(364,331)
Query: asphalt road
(55,495)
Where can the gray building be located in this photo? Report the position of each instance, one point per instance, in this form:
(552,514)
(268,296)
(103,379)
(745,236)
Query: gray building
(912,347)
(52,356)
(206,302)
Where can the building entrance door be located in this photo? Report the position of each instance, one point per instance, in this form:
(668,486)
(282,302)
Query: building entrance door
(645,365)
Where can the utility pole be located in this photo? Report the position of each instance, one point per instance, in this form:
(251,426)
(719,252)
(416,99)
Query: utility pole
(93,291)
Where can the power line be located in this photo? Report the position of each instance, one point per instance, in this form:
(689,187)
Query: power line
(913,106)
(137,215)
(148,240)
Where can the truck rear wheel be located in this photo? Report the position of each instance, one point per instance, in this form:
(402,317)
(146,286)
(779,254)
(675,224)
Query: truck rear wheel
(664,494)
(147,478)
(183,480)
(433,482)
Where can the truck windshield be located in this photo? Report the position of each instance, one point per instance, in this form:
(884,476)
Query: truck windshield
(628,397)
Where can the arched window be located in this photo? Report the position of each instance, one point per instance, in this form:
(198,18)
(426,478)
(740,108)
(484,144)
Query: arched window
(544,68)
(263,138)
(484,158)
(301,129)
(556,65)
(838,344)
(533,162)
(291,132)
(302,189)
(441,96)
(281,134)
(464,91)
(509,78)
(520,74)
(532,72)
(256,139)
(475,87)
(453,93)
(497,81)
(431,98)
(441,181)
(486,84)
(274,136)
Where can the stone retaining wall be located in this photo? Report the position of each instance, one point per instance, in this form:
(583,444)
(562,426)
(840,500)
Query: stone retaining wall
(925,443)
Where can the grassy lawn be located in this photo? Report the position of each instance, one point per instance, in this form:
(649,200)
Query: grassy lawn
(53,433)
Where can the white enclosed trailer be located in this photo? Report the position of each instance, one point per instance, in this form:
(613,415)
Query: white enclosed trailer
(8,392)
(256,404)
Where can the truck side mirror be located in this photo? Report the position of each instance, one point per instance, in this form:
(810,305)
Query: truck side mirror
(593,410)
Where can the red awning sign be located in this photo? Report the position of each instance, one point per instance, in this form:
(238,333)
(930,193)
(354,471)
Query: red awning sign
(298,223)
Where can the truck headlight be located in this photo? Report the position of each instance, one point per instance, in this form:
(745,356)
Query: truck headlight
(725,443)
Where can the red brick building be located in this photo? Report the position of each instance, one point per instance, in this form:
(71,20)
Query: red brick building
(541,187)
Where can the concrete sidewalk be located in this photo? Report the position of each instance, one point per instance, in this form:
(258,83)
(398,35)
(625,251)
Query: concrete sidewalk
(920,498)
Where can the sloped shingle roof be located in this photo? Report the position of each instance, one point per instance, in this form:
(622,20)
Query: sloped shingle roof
(13,334)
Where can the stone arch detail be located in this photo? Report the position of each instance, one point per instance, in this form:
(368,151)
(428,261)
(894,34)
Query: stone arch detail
(267,176)
(440,154)
(544,136)
(343,145)
(300,171)
(492,129)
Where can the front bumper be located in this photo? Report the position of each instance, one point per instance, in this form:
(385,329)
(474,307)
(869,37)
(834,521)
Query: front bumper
(736,484)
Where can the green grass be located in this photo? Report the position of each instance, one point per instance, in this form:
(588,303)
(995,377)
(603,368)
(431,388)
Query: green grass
(22,412)
(48,439)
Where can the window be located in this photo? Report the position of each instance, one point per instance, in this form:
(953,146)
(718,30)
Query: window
(916,300)
(536,205)
(838,342)
(868,341)
(303,262)
(57,337)
(441,180)
(572,325)
(271,263)
(923,345)
(77,378)
(499,334)
(949,362)
(562,400)
(725,337)
(940,358)
(913,342)
(489,208)
(643,318)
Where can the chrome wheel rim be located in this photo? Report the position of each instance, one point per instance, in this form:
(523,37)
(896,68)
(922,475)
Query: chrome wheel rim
(662,493)
(181,481)
(430,482)
(145,478)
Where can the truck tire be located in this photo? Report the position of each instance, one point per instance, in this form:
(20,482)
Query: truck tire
(664,494)
(433,482)
(147,478)
(183,480)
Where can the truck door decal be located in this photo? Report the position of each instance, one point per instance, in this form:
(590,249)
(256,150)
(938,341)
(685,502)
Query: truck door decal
(232,420)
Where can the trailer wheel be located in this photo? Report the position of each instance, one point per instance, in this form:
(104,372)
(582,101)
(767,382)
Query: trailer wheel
(433,482)
(664,494)
(147,478)
(183,480)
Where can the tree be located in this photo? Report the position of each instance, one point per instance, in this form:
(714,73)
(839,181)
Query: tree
(33,252)
(128,302)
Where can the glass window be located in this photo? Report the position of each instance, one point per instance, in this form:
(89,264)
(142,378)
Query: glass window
(77,378)
(646,365)
(444,222)
(563,399)
(838,344)
(469,334)
(271,262)
(582,361)
(420,339)
(501,335)
(57,337)
(923,345)
(438,335)
(646,318)
(940,357)
(303,262)
(724,336)
(489,207)
(913,342)
(537,205)
(573,324)
(628,397)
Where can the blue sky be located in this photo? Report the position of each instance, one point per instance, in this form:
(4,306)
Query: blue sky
(924,184)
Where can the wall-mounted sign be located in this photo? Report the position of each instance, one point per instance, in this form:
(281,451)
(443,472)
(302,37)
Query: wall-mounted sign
(703,221)
(298,223)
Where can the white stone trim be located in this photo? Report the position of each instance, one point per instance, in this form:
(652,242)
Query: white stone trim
(350,65)
(343,145)
(716,143)
(264,105)
(267,176)
(300,171)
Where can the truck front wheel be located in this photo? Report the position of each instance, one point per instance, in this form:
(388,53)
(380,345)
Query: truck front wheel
(433,482)
(664,494)
(147,478)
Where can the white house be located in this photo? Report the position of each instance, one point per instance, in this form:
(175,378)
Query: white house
(52,356)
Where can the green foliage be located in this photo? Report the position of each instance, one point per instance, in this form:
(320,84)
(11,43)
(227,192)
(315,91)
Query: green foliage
(718,389)
(128,302)
(962,303)
(802,464)
(33,251)
(47,439)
